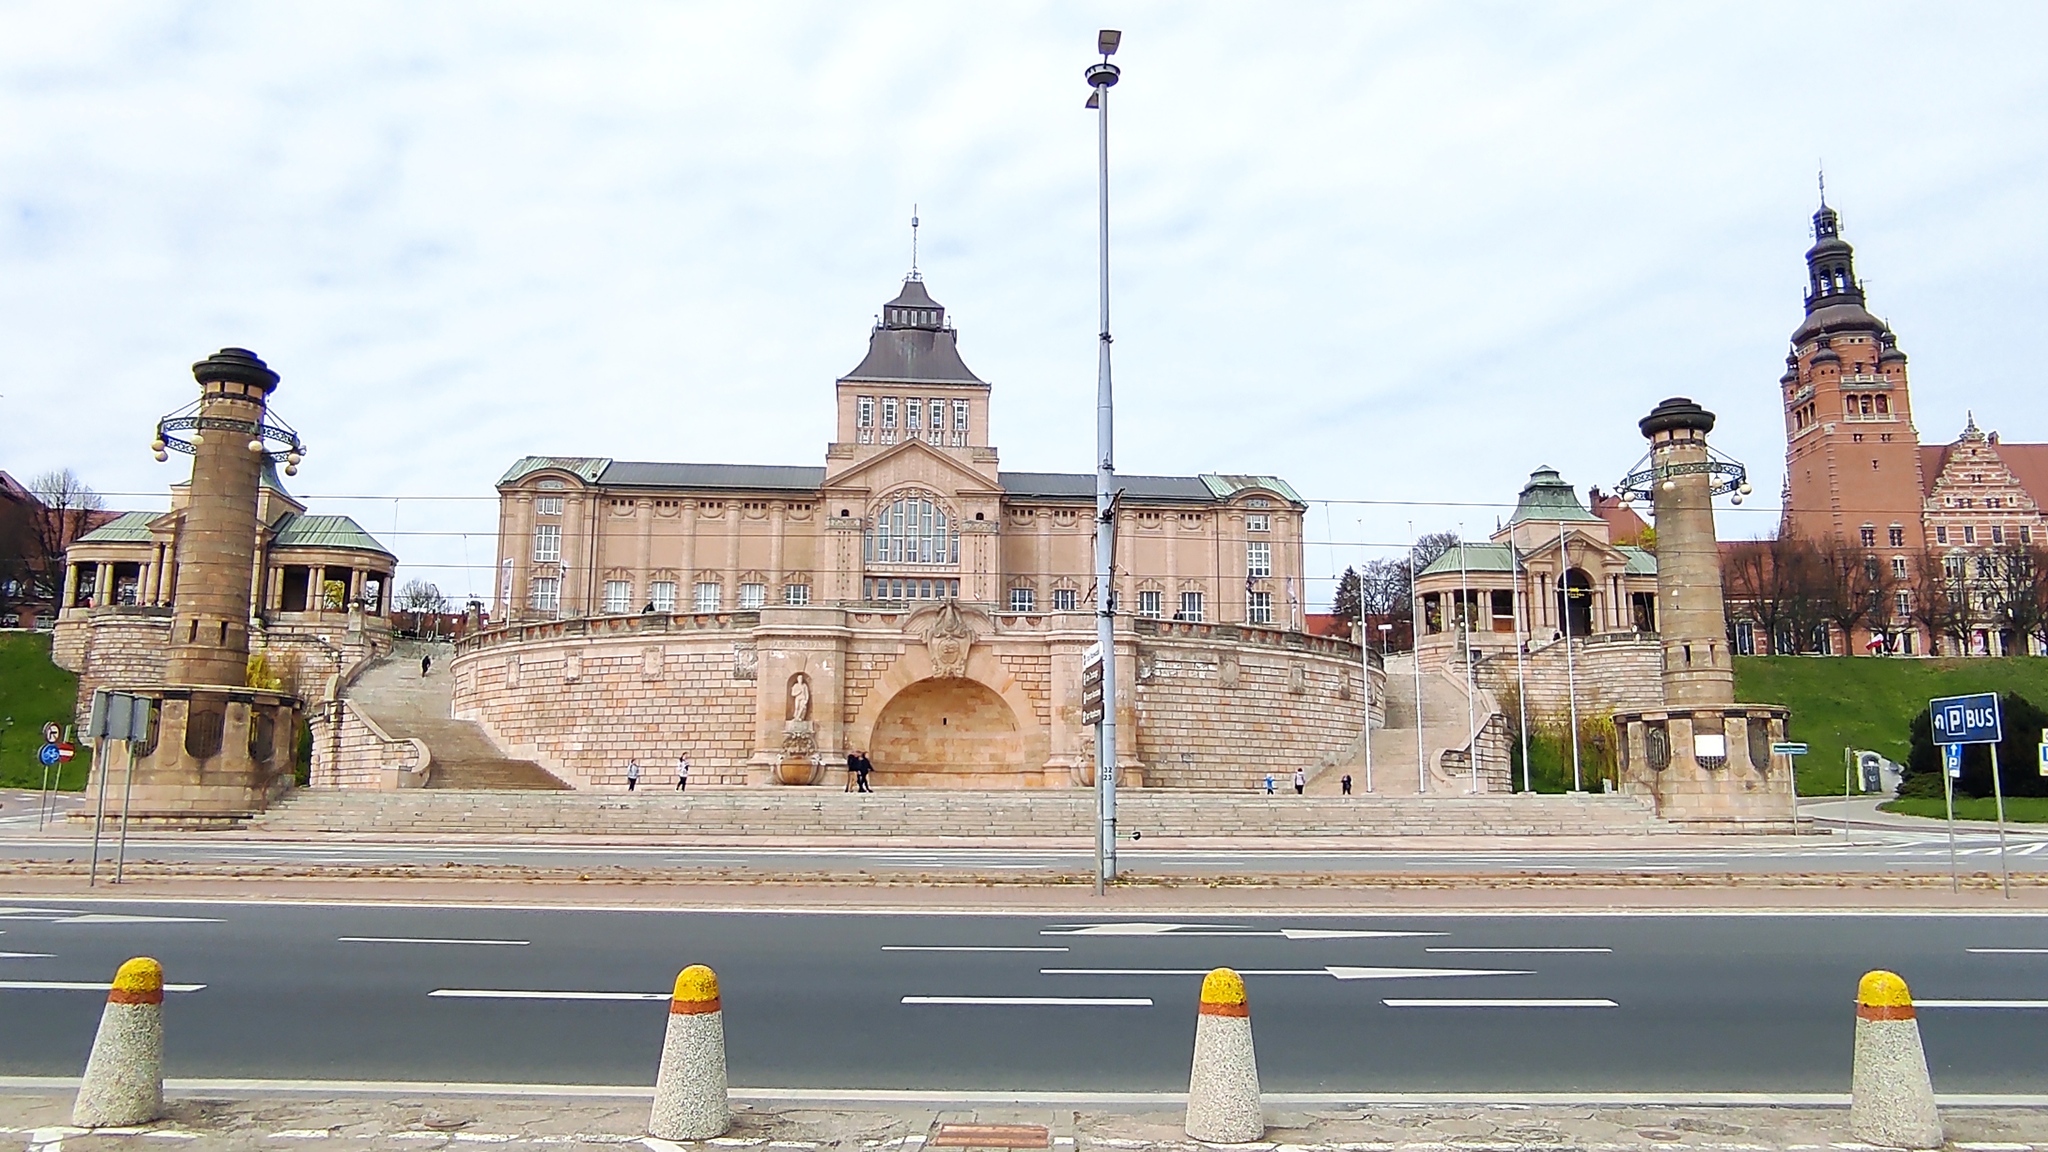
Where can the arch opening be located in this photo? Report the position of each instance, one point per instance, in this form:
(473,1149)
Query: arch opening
(948,733)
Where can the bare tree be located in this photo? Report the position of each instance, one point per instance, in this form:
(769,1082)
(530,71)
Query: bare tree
(66,514)
(2016,591)
(1846,579)
(422,597)
(1746,586)
(1933,605)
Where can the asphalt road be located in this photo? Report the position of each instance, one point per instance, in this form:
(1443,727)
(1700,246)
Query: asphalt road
(1861,851)
(1733,1002)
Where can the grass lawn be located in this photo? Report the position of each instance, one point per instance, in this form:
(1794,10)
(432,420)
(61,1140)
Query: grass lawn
(1842,702)
(33,691)
(2018,809)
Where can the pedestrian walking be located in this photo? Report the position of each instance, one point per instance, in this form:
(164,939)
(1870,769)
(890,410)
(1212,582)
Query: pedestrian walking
(426,663)
(1346,782)
(1269,783)
(1300,781)
(683,772)
(852,768)
(867,767)
(632,775)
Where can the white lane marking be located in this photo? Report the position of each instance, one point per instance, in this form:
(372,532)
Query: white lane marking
(422,940)
(517,994)
(81,986)
(1341,972)
(1517,951)
(2007,952)
(1980,1003)
(1588,1003)
(966,948)
(119,918)
(1210,930)
(26,955)
(1038,1001)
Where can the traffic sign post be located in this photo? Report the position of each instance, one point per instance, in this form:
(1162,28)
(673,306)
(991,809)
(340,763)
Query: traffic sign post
(1956,721)
(2044,751)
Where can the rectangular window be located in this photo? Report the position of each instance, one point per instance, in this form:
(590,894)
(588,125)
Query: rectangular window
(547,544)
(753,596)
(913,414)
(707,596)
(1869,536)
(1259,608)
(864,412)
(1065,600)
(1969,534)
(1190,607)
(888,412)
(548,505)
(959,415)
(1258,522)
(1258,559)
(796,594)
(1941,535)
(2026,534)
(1023,600)
(1998,534)
(546,595)
(618,596)
(663,593)
(1899,567)
(1902,603)
(1149,604)
(1898,536)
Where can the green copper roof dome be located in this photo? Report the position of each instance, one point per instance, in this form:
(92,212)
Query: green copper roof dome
(1547,498)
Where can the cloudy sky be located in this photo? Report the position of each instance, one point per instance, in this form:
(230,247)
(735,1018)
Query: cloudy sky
(1398,254)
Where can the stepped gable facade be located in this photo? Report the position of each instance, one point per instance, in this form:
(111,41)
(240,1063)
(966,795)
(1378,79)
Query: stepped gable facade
(908,597)
(1855,469)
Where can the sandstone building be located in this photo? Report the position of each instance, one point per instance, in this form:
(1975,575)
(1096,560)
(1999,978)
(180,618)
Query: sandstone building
(907,597)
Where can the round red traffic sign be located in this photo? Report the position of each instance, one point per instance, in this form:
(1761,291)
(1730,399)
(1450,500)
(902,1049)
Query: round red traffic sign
(66,751)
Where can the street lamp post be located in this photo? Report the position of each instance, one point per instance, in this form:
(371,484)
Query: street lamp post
(1102,77)
(1384,629)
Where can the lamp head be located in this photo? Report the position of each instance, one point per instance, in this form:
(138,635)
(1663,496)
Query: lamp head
(1107,40)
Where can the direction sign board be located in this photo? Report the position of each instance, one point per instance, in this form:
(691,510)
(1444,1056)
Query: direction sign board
(1952,759)
(1788,749)
(1091,686)
(2044,753)
(1966,719)
(47,756)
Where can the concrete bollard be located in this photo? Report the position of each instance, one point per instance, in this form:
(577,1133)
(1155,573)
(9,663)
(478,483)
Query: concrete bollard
(1891,1099)
(124,1076)
(1223,1091)
(689,1093)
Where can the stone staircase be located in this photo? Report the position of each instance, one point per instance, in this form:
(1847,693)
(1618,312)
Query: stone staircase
(813,814)
(1393,747)
(409,705)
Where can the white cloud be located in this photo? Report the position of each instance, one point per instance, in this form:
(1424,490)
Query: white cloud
(1392,253)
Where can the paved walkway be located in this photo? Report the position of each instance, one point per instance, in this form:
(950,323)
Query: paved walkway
(1862,812)
(209,1120)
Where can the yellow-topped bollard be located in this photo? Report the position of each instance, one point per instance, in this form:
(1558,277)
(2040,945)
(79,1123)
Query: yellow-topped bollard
(690,1100)
(1891,1098)
(124,1076)
(1223,1088)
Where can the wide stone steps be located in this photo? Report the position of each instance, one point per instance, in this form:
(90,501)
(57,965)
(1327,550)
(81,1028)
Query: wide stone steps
(408,703)
(816,813)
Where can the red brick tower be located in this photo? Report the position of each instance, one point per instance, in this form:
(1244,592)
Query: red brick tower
(1852,460)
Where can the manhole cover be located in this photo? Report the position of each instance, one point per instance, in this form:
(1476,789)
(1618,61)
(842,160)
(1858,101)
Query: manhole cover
(991,1136)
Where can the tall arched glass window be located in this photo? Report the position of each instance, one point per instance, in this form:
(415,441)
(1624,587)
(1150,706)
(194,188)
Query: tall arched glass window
(913,530)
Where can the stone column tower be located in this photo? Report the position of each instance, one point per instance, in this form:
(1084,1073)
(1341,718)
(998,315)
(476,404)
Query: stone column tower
(1691,618)
(1704,759)
(217,543)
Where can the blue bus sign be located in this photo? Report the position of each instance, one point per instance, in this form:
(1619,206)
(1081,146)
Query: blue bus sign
(1966,719)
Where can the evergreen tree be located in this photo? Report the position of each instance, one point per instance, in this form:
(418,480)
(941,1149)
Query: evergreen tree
(1347,605)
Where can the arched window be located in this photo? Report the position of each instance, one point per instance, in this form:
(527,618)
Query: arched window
(913,530)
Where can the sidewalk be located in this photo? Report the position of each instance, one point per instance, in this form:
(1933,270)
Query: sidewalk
(1862,812)
(209,1121)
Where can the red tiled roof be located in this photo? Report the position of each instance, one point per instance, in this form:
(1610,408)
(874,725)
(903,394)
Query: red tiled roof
(2029,465)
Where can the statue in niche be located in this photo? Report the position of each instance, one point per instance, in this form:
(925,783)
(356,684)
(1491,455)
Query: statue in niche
(799,697)
(947,640)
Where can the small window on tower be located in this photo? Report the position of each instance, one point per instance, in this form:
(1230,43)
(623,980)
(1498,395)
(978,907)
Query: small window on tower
(913,414)
(1898,536)
(1869,535)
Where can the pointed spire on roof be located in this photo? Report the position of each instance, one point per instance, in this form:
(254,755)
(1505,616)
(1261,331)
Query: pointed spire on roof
(913,244)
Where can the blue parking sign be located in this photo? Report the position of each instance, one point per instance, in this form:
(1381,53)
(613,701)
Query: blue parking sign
(1966,719)
(1952,759)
